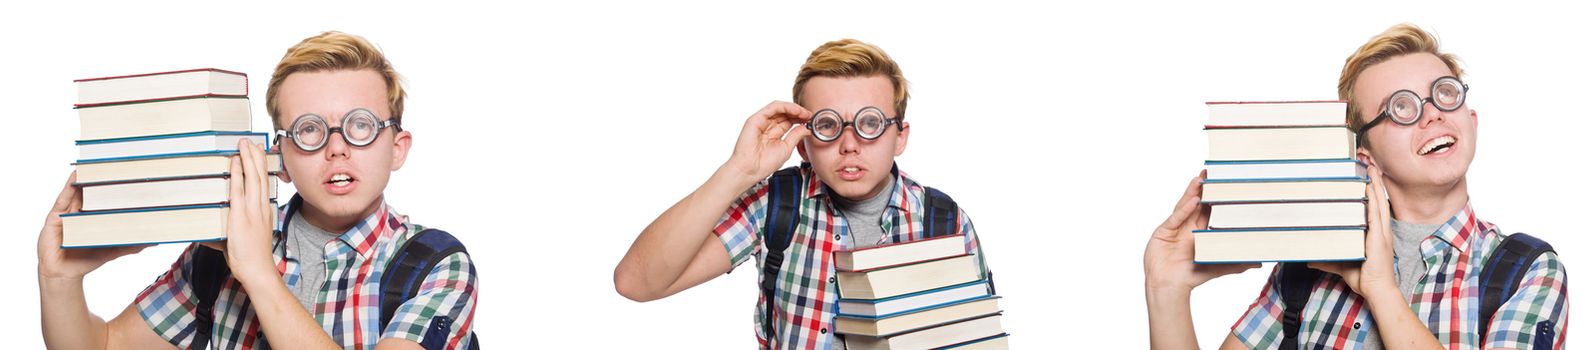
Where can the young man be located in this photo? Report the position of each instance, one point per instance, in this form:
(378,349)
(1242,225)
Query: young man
(309,281)
(1426,249)
(852,196)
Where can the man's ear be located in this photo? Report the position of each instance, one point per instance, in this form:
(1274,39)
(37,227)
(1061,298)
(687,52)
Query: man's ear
(803,149)
(282,163)
(1475,114)
(401,149)
(283,175)
(1366,156)
(902,139)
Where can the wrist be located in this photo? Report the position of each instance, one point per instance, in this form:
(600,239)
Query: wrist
(1379,287)
(733,178)
(1166,285)
(58,273)
(1383,290)
(48,282)
(254,272)
(1166,297)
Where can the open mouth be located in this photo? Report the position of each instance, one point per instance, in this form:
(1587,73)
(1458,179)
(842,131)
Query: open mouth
(1437,145)
(851,173)
(340,180)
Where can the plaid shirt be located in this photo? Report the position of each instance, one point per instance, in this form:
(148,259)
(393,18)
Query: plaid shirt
(348,309)
(806,294)
(1446,299)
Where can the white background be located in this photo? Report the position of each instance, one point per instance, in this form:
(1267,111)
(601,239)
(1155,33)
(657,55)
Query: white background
(546,137)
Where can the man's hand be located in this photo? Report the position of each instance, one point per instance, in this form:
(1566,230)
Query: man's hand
(679,250)
(1171,273)
(57,263)
(250,217)
(767,140)
(1378,270)
(1169,260)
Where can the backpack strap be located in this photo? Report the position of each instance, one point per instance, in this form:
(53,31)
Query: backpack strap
(1295,286)
(941,213)
(408,270)
(780,221)
(208,271)
(1503,272)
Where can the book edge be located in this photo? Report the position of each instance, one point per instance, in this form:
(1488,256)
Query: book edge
(246,76)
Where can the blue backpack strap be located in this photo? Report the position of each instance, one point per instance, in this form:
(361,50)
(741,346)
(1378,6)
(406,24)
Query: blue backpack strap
(208,272)
(1503,272)
(407,271)
(785,194)
(1295,286)
(941,213)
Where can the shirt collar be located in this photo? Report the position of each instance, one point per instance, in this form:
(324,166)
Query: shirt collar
(363,237)
(1461,230)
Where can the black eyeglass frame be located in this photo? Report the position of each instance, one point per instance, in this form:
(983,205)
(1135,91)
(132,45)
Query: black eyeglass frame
(327,135)
(846,123)
(1384,112)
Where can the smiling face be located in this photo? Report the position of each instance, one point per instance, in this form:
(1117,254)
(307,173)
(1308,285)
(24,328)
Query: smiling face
(853,167)
(1434,152)
(341,184)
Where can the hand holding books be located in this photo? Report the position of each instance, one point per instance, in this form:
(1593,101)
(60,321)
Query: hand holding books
(1378,271)
(154,156)
(58,263)
(251,216)
(1169,260)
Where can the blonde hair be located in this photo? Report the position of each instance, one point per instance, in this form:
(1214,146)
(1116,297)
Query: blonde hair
(1399,40)
(331,51)
(853,58)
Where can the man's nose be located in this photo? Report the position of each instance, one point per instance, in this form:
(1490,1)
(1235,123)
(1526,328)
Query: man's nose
(849,141)
(1432,113)
(336,146)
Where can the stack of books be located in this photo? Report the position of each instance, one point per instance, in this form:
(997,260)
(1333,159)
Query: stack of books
(154,157)
(1283,183)
(916,295)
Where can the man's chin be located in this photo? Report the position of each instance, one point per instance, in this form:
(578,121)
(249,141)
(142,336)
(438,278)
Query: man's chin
(1448,178)
(853,190)
(1446,173)
(338,206)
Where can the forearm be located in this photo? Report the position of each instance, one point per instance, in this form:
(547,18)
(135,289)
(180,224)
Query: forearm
(65,319)
(286,323)
(1168,315)
(664,249)
(1399,327)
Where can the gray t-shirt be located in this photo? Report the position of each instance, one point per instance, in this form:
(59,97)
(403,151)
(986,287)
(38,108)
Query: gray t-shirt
(863,225)
(1407,242)
(308,244)
(864,218)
